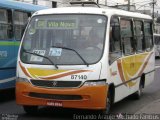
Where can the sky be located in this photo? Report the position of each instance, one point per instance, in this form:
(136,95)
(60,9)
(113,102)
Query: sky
(141,4)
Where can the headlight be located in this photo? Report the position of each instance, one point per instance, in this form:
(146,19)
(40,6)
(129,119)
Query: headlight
(95,83)
(22,79)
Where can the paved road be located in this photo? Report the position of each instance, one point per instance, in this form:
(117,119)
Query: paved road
(128,105)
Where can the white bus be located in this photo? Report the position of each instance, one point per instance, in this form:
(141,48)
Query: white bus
(157,45)
(84,57)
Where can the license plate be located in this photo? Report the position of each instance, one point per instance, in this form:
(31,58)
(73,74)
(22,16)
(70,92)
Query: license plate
(54,103)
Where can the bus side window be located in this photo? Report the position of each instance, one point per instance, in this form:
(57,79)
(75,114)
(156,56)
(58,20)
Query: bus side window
(6,31)
(139,36)
(114,40)
(148,35)
(127,36)
(20,21)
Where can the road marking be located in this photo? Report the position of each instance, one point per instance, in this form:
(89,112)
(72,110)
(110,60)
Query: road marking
(157,67)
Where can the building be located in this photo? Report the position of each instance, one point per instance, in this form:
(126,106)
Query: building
(48,3)
(60,3)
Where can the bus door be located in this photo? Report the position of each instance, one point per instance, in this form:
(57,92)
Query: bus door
(123,61)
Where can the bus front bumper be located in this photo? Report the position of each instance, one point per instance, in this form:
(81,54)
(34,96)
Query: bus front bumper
(85,97)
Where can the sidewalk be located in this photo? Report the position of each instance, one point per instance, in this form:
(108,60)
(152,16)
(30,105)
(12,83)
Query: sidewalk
(152,108)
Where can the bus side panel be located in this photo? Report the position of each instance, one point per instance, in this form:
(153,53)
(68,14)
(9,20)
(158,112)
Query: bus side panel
(135,87)
(149,78)
(150,71)
(144,63)
(121,90)
(7,79)
(126,73)
(120,93)
(7,64)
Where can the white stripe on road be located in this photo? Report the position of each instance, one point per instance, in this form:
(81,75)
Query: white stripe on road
(157,67)
(7,80)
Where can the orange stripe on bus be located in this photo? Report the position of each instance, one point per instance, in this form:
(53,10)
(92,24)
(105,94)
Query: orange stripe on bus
(119,64)
(65,74)
(24,70)
(145,64)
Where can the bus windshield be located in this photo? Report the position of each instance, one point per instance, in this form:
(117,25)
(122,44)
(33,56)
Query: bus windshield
(47,35)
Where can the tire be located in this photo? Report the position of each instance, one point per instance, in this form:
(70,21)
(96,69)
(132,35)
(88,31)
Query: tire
(138,94)
(30,109)
(108,105)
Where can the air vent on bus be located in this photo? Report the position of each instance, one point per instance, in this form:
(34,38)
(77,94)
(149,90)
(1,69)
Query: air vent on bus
(56,84)
(55,96)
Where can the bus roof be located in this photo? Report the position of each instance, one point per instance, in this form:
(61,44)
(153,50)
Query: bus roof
(10,4)
(93,10)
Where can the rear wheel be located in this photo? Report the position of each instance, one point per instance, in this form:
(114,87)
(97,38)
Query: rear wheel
(138,94)
(30,109)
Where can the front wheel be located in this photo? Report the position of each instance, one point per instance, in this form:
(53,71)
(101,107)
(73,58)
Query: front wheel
(108,104)
(30,109)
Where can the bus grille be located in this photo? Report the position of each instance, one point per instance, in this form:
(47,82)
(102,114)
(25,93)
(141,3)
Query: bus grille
(55,96)
(56,84)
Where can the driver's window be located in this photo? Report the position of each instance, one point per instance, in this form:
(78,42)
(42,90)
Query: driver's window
(114,36)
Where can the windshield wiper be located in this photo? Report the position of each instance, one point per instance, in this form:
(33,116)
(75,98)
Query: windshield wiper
(74,51)
(41,56)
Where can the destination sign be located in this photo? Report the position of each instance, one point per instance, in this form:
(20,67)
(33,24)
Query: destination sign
(56,24)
